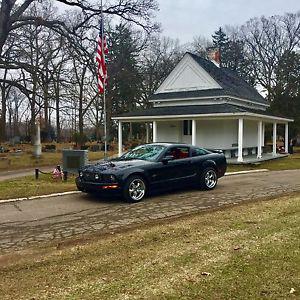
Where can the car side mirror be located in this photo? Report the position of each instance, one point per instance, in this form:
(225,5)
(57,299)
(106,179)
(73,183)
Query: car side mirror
(167,158)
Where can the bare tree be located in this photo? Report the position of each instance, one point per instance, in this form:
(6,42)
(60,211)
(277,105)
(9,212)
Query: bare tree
(266,40)
(15,101)
(15,14)
(200,45)
(158,60)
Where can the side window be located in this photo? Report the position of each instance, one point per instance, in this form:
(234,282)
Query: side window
(179,152)
(187,127)
(198,152)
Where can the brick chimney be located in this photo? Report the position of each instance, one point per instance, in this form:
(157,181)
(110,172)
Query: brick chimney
(214,56)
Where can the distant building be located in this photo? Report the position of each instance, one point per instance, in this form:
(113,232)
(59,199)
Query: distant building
(202,104)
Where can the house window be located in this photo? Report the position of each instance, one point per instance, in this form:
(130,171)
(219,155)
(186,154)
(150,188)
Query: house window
(187,127)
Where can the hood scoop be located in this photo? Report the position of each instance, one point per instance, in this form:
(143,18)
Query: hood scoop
(105,165)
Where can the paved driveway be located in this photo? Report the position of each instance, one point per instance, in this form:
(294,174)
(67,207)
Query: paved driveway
(28,222)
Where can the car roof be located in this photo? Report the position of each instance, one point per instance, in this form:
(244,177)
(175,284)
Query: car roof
(167,144)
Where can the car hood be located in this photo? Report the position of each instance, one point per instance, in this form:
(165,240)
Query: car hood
(115,165)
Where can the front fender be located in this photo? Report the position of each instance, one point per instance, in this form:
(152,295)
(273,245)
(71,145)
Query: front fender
(136,171)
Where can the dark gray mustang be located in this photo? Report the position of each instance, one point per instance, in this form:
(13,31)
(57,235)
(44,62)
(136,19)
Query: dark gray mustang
(158,166)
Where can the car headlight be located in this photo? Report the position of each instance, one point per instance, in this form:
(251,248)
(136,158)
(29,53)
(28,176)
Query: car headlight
(80,174)
(97,176)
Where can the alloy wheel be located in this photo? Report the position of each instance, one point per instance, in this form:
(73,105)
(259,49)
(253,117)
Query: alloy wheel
(137,189)
(210,179)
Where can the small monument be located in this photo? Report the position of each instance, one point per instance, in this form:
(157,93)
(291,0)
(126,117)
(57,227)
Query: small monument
(74,160)
(37,144)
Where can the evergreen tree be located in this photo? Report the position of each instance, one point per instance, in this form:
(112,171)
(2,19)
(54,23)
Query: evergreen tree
(124,80)
(232,55)
(220,41)
(286,93)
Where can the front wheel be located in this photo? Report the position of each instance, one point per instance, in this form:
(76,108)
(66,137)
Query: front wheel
(134,189)
(209,179)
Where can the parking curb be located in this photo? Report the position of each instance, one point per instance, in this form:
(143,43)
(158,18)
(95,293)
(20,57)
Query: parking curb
(77,192)
(39,197)
(246,172)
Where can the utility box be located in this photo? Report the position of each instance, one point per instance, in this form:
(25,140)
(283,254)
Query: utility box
(74,160)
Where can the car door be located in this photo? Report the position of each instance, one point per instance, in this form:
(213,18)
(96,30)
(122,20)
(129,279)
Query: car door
(177,169)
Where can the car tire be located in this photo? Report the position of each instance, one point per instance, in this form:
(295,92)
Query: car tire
(134,189)
(208,179)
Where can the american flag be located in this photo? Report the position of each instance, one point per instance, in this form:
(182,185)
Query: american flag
(100,58)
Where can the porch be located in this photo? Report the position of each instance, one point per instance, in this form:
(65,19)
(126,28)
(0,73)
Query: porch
(252,159)
(241,135)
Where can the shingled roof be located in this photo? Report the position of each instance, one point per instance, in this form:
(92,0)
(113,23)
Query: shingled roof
(193,110)
(232,85)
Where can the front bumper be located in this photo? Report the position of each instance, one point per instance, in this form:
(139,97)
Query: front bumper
(107,188)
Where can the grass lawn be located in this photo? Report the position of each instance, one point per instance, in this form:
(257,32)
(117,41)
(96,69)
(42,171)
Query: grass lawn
(250,251)
(15,161)
(28,186)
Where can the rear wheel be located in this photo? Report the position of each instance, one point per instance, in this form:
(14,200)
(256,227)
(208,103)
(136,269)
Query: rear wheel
(209,179)
(134,189)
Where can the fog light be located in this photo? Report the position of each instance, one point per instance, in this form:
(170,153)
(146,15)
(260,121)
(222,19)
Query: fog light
(112,178)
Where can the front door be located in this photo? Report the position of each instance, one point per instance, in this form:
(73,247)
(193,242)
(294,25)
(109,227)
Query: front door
(186,132)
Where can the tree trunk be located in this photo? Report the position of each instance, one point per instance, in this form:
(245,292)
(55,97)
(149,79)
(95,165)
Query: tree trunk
(80,117)
(33,111)
(3,110)
(57,106)
(80,108)
(6,8)
(46,113)
(3,114)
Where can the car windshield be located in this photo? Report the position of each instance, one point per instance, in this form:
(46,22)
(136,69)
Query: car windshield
(145,152)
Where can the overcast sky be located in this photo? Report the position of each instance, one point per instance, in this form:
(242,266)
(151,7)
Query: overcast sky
(184,19)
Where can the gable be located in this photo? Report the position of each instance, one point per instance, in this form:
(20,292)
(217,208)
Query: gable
(188,75)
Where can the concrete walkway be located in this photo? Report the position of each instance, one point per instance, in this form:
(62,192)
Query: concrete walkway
(252,159)
(30,222)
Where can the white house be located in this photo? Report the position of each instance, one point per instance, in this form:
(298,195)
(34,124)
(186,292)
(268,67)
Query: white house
(202,104)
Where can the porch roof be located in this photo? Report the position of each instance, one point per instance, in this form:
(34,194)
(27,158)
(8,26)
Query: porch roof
(189,111)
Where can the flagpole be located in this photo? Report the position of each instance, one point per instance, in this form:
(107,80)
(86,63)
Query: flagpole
(104,102)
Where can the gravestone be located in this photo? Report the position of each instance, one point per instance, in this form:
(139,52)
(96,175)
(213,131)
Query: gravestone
(74,160)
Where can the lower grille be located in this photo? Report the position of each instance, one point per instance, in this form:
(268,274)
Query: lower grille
(88,176)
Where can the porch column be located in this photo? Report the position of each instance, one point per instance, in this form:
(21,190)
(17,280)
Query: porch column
(154,131)
(259,139)
(274,138)
(120,142)
(194,132)
(240,140)
(286,138)
(147,133)
(130,131)
(263,134)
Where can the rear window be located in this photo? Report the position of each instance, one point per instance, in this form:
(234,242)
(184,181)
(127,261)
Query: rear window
(199,152)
